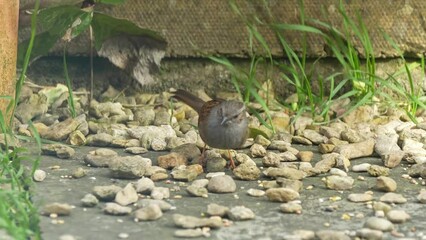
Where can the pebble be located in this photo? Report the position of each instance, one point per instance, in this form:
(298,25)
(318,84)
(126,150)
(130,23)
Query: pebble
(171,160)
(381,206)
(159,176)
(305,156)
(89,200)
(329,132)
(380,224)
(214,174)
(284,172)
(351,136)
(296,185)
(291,207)
(327,162)
(393,159)
(160,193)
(39,175)
(257,150)
(360,197)
(422,196)
(331,234)
(79,173)
(200,182)
(417,170)
(127,195)
(301,140)
(343,162)
(367,233)
(149,213)
(338,172)
(269,184)
(59,150)
(197,191)
(326,148)
(222,184)
(60,130)
(393,198)
(106,193)
(154,169)
(256,192)
(129,167)
(386,184)
(183,173)
(356,150)
(136,150)
(376,171)
(279,145)
(314,136)
(61,209)
(271,159)
(100,157)
(241,158)
(164,206)
(99,140)
(144,185)
(288,156)
(116,209)
(281,194)
(123,235)
(363,167)
(191,233)
(184,221)
(189,150)
(303,234)
(240,213)
(338,182)
(67,237)
(247,171)
(215,164)
(397,216)
(150,132)
(260,139)
(214,209)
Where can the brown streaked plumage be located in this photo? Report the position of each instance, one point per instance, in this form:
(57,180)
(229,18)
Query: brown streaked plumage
(222,124)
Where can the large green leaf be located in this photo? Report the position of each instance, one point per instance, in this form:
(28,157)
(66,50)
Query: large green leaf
(42,44)
(55,22)
(105,27)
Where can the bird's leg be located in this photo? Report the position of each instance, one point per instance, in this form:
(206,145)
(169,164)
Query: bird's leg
(203,157)
(231,160)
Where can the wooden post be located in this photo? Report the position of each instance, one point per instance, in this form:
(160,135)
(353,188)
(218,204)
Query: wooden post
(9,12)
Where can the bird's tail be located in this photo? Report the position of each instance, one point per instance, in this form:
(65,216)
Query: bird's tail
(188,98)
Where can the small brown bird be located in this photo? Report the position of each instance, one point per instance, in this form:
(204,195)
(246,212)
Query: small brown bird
(222,124)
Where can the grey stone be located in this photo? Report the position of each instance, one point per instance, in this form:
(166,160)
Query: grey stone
(380,224)
(61,209)
(89,200)
(144,185)
(116,209)
(194,222)
(106,193)
(281,194)
(101,157)
(127,195)
(222,184)
(149,213)
(129,166)
(59,150)
(240,213)
(160,193)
